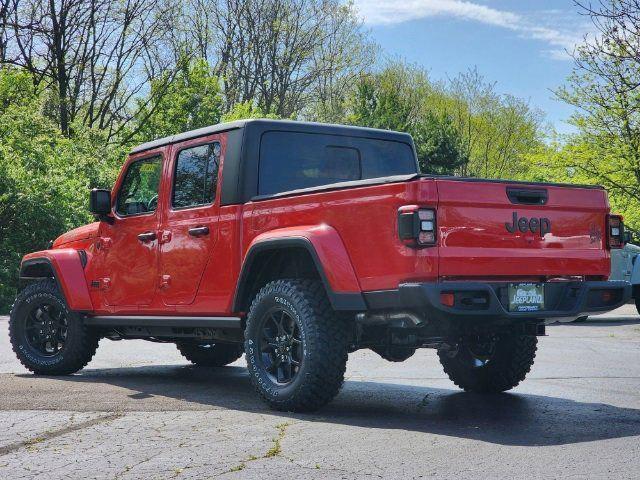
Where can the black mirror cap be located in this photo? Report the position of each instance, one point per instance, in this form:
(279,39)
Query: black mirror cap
(100,202)
(628,238)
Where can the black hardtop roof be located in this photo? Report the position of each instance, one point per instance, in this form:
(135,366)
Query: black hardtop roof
(282,125)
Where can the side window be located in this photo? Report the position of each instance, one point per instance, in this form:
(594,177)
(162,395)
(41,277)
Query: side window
(196,176)
(294,160)
(289,161)
(139,191)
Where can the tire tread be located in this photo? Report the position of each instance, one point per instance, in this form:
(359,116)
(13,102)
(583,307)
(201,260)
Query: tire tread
(327,337)
(83,348)
(513,361)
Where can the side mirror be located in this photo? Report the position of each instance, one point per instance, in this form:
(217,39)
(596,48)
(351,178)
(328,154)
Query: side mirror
(628,238)
(100,202)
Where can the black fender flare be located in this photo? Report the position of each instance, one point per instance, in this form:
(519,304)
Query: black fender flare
(339,301)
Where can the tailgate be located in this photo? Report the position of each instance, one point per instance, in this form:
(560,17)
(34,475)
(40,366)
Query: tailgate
(490,229)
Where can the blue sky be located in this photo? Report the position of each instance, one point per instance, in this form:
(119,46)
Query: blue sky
(521,45)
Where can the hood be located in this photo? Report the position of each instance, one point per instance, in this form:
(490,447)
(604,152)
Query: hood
(80,233)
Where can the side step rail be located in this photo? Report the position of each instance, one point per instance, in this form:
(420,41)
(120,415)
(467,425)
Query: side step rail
(163,321)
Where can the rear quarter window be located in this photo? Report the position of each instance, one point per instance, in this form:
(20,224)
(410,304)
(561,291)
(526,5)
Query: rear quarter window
(196,176)
(292,160)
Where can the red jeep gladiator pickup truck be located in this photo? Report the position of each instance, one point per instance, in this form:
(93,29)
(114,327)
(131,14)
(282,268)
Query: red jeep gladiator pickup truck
(297,243)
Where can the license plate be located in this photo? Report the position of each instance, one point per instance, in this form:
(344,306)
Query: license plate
(526,297)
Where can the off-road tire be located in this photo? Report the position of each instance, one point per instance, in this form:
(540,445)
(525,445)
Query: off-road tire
(79,347)
(212,355)
(324,338)
(508,366)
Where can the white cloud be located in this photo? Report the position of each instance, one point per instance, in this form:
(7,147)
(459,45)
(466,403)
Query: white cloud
(391,11)
(547,26)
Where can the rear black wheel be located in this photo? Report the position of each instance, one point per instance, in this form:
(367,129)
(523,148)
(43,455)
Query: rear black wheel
(281,344)
(210,354)
(489,363)
(46,336)
(296,346)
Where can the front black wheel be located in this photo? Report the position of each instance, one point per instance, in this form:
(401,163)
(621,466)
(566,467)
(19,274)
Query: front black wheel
(489,363)
(296,346)
(210,354)
(45,335)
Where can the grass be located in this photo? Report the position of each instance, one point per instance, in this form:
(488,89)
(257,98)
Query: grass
(276,449)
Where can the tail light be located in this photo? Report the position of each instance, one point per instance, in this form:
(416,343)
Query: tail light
(615,231)
(417,226)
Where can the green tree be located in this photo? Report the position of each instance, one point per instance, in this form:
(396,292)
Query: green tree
(461,126)
(93,56)
(192,100)
(499,131)
(44,176)
(400,98)
(246,110)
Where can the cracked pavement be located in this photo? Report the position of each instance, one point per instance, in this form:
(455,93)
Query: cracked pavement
(140,411)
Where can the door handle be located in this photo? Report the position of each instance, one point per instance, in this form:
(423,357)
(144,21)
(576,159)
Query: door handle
(147,237)
(198,231)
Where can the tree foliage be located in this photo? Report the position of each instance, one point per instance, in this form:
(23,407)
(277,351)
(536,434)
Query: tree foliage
(399,98)
(498,130)
(94,56)
(44,176)
(283,56)
(191,100)
(460,127)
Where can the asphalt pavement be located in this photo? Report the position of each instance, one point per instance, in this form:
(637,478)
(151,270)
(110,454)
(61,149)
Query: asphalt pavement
(140,411)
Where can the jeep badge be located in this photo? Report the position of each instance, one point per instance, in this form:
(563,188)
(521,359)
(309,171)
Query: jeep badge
(533,225)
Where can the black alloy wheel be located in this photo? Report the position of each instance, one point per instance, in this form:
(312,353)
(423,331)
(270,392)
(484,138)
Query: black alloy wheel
(476,352)
(280,345)
(45,328)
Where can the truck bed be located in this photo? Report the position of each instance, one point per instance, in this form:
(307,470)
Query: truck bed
(472,239)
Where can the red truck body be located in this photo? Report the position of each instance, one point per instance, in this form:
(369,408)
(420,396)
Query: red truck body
(353,230)
(407,260)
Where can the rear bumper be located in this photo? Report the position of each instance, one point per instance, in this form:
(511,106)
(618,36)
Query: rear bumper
(478,300)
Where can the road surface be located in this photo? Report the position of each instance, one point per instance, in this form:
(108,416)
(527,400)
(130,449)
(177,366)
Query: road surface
(141,411)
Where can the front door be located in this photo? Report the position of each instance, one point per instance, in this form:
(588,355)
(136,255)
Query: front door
(189,229)
(130,246)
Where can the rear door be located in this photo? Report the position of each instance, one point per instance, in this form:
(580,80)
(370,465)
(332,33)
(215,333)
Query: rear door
(495,229)
(188,232)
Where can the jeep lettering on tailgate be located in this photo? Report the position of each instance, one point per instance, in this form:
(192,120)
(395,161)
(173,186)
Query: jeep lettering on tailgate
(540,225)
